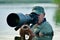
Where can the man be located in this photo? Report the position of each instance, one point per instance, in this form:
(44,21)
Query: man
(42,30)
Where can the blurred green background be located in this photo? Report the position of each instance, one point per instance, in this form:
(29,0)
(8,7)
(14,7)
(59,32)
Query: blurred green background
(57,14)
(25,1)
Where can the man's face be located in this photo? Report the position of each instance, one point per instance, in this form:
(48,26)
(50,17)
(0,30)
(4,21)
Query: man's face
(40,17)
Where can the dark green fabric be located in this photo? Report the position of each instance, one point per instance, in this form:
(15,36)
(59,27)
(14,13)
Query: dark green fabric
(44,28)
(38,10)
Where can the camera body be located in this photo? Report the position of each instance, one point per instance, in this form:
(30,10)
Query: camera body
(17,20)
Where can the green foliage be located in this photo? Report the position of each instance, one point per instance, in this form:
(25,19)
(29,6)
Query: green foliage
(25,1)
(57,16)
(57,1)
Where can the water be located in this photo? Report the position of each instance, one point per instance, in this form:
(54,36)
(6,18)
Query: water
(8,33)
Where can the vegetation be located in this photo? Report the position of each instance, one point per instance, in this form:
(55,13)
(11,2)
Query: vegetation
(57,15)
(25,1)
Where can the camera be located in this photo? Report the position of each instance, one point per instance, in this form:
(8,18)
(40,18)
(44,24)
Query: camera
(18,19)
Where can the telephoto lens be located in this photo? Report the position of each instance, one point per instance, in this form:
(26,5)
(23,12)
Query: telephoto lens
(18,19)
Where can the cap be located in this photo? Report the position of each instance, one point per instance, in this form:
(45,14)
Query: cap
(38,10)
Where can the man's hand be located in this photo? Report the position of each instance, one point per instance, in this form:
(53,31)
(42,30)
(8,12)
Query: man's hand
(40,34)
(25,30)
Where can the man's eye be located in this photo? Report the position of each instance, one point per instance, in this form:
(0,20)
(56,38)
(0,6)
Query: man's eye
(38,15)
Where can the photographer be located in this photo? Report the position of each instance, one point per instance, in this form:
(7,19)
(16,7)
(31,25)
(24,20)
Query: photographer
(42,29)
